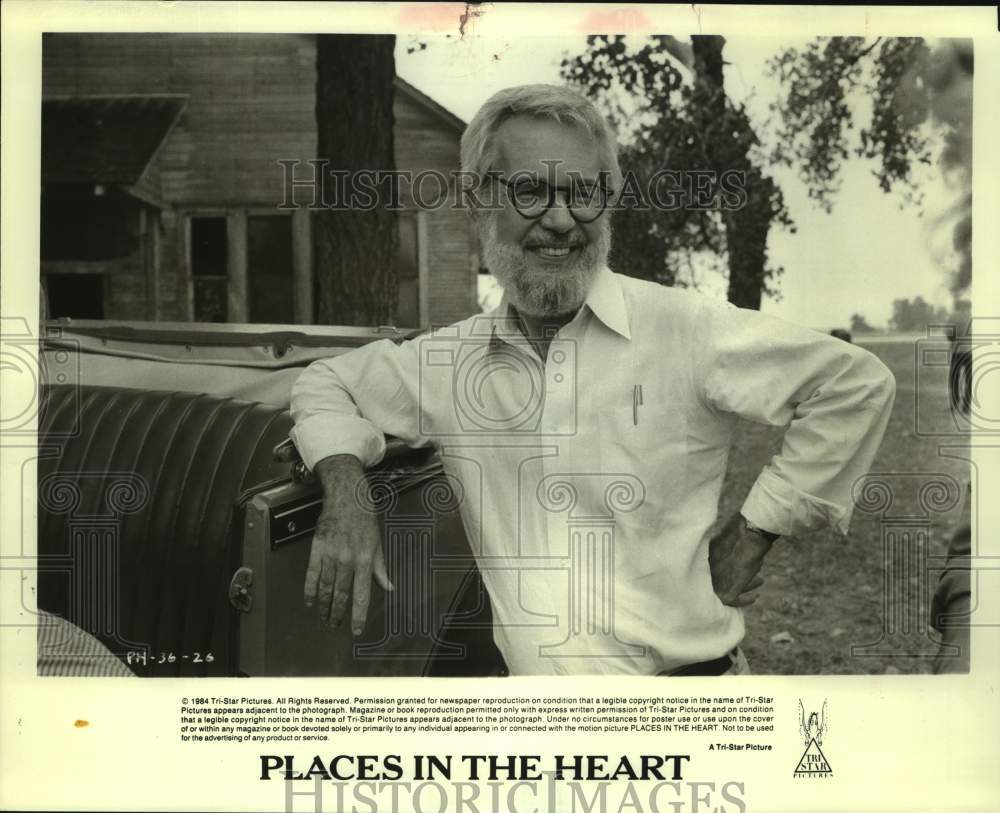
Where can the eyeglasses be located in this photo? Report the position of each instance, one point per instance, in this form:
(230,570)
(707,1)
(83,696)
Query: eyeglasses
(585,201)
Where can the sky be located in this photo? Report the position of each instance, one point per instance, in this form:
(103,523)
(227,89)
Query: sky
(858,259)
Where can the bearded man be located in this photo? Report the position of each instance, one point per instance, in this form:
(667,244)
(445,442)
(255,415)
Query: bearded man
(587,422)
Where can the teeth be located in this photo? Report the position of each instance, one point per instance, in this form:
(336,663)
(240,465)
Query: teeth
(553,252)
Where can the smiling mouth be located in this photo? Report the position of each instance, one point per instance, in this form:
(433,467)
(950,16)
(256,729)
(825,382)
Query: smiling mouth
(553,253)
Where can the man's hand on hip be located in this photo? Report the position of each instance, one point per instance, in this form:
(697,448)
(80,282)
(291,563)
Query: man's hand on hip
(346,547)
(735,557)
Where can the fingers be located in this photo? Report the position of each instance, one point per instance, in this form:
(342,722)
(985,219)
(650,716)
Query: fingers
(747,594)
(744,600)
(743,596)
(381,575)
(343,560)
(322,570)
(740,588)
(324,595)
(362,597)
(341,592)
(313,571)
(741,600)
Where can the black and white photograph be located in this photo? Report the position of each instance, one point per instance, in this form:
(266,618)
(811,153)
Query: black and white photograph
(581,460)
(539,355)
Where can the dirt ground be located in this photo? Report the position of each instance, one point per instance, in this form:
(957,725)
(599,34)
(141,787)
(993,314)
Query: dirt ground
(859,604)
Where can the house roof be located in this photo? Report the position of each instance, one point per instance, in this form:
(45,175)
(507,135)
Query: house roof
(104,139)
(428,103)
(112,139)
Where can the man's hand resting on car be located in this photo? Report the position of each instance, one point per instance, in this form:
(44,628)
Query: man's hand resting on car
(346,547)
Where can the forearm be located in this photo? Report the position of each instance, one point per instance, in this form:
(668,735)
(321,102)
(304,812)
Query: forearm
(826,450)
(338,474)
(347,404)
(834,399)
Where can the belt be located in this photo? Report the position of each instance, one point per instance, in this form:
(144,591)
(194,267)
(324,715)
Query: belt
(715,667)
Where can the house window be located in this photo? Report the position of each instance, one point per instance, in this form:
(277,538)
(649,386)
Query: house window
(209,269)
(77,296)
(269,268)
(244,266)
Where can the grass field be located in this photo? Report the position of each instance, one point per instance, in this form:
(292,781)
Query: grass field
(826,591)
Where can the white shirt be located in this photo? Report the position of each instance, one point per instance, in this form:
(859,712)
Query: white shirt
(590,481)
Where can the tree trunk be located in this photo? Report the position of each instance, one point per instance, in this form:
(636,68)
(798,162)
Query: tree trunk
(747,227)
(355,247)
(746,237)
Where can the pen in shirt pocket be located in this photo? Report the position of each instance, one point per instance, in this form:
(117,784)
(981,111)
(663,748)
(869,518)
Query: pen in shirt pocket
(636,403)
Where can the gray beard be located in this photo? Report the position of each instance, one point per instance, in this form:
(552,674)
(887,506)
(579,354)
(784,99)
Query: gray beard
(537,292)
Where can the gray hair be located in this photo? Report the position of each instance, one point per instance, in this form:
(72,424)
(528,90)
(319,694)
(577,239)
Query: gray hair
(478,148)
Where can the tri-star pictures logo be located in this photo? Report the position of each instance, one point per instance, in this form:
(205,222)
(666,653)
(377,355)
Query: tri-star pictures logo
(813,728)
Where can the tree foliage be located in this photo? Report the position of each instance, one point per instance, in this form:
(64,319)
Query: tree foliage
(820,81)
(822,120)
(859,324)
(909,315)
(920,95)
(671,123)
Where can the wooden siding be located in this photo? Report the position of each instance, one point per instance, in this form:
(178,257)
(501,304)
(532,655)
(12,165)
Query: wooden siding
(251,103)
(424,142)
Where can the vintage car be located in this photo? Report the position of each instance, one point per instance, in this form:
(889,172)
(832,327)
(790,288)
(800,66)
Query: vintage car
(170,529)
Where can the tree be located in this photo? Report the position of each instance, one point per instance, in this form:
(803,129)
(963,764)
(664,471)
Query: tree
(860,325)
(915,315)
(355,247)
(690,126)
(815,115)
(913,87)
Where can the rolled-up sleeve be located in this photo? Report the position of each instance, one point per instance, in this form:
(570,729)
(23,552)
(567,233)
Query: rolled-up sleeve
(834,397)
(348,403)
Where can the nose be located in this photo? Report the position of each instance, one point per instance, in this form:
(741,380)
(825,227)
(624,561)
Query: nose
(557,217)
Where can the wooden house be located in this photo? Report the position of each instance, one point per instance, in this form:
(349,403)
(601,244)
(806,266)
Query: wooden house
(162,186)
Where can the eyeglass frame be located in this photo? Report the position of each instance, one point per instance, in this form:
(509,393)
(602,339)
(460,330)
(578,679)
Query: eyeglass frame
(522,175)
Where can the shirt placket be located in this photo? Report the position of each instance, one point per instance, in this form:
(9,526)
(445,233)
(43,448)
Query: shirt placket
(560,483)
(546,516)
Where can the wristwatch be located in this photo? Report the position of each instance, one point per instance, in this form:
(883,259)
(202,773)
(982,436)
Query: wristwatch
(770,537)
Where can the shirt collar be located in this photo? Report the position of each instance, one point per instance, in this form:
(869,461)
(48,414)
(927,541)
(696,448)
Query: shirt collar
(605,300)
